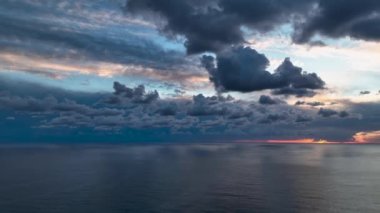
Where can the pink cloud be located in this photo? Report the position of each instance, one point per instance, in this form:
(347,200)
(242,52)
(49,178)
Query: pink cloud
(367,137)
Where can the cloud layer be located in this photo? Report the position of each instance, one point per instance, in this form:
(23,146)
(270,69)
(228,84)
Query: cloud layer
(137,109)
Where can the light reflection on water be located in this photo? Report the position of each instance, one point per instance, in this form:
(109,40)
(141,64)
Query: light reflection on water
(190,178)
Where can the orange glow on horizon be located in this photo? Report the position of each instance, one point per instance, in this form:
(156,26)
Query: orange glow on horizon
(305,140)
(297,141)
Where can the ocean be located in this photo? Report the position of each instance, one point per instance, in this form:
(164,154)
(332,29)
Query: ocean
(190,178)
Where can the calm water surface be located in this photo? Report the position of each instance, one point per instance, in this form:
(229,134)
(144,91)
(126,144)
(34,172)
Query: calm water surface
(190,178)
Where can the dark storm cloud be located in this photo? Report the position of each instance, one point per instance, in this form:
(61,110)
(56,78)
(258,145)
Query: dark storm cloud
(243,69)
(216,24)
(340,18)
(213,25)
(205,28)
(240,69)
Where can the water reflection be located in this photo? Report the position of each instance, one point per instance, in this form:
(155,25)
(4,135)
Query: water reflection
(190,178)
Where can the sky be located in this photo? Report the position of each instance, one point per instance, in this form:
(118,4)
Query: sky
(189,71)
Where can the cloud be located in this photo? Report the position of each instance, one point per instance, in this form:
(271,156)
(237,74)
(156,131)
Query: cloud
(138,108)
(239,69)
(167,109)
(344,114)
(330,112)
(273,118)
(303,119)
(341,18)
(75,120)
(243,69)
(267,100)
(365,92)
(51,105)
(290,91)
(207,106)
(87,37)
(200,116)
(136,95)
(367,137)
(217,24)
(327,112)
(313,104)
(214,25)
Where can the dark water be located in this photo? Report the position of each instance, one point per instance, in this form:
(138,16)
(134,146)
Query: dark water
(190,178)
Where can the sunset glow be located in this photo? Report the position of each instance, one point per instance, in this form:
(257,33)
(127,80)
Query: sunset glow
(367,137)
(297,141)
